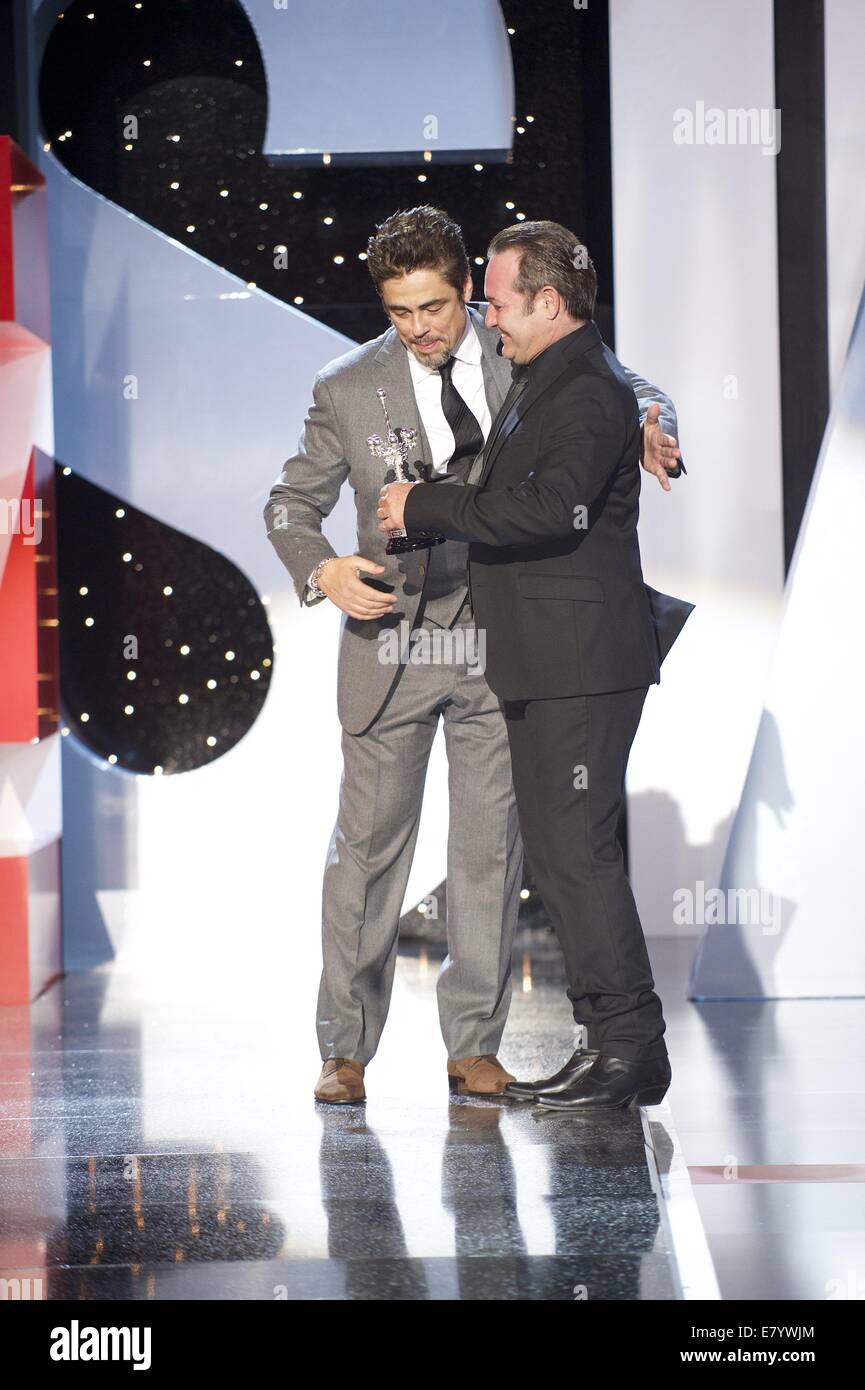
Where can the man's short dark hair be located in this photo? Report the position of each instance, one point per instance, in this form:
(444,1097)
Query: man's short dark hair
(551,255)
(423,238)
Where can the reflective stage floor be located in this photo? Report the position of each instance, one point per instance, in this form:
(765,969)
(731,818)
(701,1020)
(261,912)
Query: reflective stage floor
(159,1140)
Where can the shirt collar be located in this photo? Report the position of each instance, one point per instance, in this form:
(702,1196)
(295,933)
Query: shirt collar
(556,351)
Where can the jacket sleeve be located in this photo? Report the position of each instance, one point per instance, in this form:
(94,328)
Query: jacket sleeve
(307,490)
(577,458)
(646,393)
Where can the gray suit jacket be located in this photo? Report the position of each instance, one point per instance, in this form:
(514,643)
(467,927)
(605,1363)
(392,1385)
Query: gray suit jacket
(332,448)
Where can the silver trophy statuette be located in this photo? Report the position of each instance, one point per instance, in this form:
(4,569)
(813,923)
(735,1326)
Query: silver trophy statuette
(394,449)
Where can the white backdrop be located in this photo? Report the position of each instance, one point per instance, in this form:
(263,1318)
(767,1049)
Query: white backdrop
(797,835)
(696,312)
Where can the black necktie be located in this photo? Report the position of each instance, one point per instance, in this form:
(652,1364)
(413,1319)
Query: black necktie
(468,435)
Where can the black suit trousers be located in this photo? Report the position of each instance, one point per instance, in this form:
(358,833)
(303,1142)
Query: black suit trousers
(569,757)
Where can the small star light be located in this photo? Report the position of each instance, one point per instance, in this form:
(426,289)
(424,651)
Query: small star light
(128,709)
(297,193)
(229,656)
(479,260)
(421,178)
(183,699)
(84,589)
(478,168)
(211,741)
(121,511)
(338,260)
(88,622)
(211,684)
(263,207)
(510,205)
(126,557)
(298,299)
(328,221)
(112,757)
(223,192)
(132,675)
(184,650)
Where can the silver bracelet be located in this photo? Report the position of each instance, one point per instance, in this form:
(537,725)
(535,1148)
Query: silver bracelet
(312,582)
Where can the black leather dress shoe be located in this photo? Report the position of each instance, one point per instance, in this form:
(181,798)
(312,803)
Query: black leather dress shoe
(612,1082)
(574,1067)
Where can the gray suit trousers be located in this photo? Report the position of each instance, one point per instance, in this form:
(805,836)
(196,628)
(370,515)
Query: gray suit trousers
(371,851)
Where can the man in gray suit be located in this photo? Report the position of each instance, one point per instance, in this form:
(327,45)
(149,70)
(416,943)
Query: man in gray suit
(443,377)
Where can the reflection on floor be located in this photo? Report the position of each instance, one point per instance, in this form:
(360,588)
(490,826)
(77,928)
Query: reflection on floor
(158,1139)
(769,1100)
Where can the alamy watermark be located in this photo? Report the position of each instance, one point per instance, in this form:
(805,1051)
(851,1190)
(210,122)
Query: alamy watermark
(21,516)
(440,646)
(745,907)
(736,126)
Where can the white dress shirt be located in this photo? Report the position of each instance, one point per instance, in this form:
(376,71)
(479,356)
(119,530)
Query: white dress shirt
(468,378)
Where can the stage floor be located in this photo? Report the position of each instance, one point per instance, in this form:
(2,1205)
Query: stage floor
(769,1103)
(159,1140)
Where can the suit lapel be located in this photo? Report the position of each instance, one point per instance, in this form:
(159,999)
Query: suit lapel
(497,373)
(539,382)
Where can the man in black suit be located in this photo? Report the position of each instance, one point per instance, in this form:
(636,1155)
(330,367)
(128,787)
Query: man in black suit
(574,638)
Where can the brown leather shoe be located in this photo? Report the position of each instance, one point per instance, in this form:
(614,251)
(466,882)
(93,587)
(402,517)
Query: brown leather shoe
(341,1081)
(478,1076)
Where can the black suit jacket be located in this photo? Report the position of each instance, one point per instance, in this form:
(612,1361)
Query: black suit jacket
(554,561)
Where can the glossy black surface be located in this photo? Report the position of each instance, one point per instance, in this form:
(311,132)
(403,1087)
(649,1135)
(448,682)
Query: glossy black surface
(168,1146)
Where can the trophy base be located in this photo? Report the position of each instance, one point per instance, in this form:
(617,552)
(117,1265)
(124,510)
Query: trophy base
(399,545)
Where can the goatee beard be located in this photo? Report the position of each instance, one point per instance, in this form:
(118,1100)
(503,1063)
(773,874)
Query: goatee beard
(433,360)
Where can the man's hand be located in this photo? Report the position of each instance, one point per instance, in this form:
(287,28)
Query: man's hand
(340,580)
(391,506)
(658,451)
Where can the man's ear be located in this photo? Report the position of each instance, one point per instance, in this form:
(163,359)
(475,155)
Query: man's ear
(468,289)
(552,301)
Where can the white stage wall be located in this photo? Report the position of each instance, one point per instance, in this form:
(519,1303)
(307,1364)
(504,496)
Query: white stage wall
(696,312)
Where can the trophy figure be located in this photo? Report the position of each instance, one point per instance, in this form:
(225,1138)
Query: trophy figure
(395,450)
